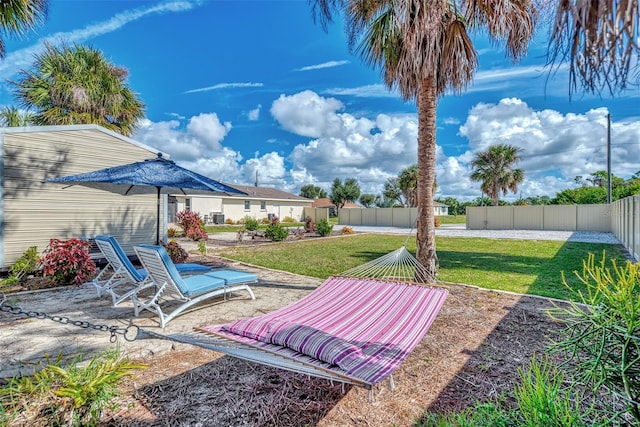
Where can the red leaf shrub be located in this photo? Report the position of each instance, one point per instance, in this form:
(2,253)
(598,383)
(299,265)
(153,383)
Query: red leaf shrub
(192,225)
(68,261)
(175,252)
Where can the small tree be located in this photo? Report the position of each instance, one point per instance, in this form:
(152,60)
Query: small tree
(367,200)
(311,191)
(494,168)
(342,193)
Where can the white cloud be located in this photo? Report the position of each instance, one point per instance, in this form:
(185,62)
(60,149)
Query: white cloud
(224,86)
(201,138)
(270,168)
(329,64)
(254,114)
(307,114)
(344,145)
(555,147)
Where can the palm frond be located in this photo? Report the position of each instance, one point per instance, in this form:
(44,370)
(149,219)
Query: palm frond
(599,40)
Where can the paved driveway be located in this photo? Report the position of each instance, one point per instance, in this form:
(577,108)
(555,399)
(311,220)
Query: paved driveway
(459,230)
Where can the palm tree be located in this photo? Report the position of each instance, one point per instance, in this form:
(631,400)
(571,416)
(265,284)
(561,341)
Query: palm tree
(14,117)
(600,41)
(423,49)
(20,16)
(77,85)
(494,168)
(408,183)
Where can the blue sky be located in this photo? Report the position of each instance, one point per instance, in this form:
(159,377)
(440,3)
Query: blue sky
(235,88)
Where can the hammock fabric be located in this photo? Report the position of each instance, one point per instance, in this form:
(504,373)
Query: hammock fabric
(354,330)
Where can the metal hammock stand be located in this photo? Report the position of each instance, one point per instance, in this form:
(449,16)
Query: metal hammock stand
(399,265)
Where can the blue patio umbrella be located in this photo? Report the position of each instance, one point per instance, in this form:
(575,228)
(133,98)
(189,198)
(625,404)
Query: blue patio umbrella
(157,176)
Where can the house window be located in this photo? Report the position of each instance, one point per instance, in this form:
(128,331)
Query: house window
(263,205)
(187,204)
(247,205)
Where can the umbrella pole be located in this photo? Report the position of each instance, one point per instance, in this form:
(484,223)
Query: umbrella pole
(158,218)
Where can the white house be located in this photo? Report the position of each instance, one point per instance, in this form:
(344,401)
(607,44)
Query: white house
(258,203)
(32,212)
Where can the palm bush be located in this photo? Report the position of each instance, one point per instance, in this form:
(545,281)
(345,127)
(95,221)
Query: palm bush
(64,396)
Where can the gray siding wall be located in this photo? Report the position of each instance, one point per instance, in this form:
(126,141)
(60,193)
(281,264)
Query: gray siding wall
(34,212)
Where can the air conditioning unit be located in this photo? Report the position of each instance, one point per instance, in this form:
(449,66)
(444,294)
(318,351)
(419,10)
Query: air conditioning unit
(218,218)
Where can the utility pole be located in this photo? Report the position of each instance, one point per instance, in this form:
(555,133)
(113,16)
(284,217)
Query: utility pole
(609,158)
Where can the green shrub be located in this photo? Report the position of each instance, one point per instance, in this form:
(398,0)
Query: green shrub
(202,248)
(544,401)
(251,224)
(64,396)
(23,266)
(481,415)
(288,219)
(68,261)
(324,228)
(602,335)
(276,232)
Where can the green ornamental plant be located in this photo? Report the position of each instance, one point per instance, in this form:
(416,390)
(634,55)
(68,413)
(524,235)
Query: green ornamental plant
(324,228)
(23,266)
(68,261)
(57,395)
(276,232)
(602,334)
(251,224)
(545,398)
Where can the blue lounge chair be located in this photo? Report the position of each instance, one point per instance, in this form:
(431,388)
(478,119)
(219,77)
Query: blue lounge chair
(126,279)
(171,286)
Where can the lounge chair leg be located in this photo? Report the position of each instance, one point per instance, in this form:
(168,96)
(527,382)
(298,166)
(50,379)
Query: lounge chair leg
(343,388)
(392,383)
(371,395)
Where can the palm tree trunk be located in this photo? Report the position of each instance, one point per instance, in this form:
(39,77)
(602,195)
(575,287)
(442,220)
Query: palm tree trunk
(426,244)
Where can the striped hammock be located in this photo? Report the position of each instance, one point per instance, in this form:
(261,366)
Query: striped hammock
(354,330)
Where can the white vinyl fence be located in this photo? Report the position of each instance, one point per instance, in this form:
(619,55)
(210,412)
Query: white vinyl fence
(380,217)
(622,218)
(625,223)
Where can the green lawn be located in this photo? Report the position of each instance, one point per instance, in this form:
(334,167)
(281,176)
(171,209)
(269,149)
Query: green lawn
(452,219)
(524,266)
